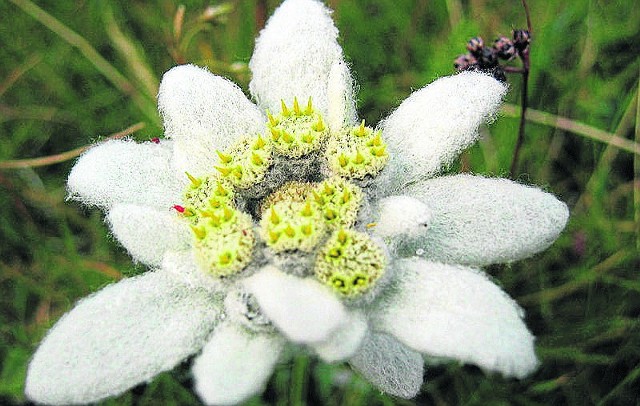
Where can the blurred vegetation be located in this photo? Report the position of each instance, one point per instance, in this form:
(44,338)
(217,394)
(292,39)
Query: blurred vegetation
(74,72)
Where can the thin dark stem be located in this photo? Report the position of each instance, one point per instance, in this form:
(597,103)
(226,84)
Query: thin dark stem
(512,69)
(526,12)
(524,55)
(261,14)
(523,112)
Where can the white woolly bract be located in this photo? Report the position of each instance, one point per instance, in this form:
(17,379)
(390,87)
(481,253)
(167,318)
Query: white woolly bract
(345,340)
(481,221)
(456,312)
(182,265)
(234,365)
(294,55)
(203,112)
(302,309)
(389,365)
(119,337)
(147,233)
(401,217)
(340,93)
(433,125)
(125,172)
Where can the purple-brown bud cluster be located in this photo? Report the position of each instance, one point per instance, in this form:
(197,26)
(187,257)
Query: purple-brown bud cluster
(505,49)
(521,39)
(487,58)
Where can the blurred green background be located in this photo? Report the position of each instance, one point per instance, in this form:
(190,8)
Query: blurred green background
(73,72)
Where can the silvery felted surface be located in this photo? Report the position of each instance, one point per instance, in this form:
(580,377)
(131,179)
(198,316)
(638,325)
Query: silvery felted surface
(433,125)
(280,54)
(481,221)
(457,312)
(203,113)
(421,232)
(389,365)
(234,366)
(121,336)
(125,172)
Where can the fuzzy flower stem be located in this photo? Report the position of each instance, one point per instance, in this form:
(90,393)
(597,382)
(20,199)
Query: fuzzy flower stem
(524,100)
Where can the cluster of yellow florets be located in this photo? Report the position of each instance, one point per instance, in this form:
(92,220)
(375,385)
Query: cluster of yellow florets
(246,163)
(339,201)
(349,262)
(307,217)
(290,225)
(299,216)
(206,193)
(297,132)
(318,217)
(357,153)
(224,242)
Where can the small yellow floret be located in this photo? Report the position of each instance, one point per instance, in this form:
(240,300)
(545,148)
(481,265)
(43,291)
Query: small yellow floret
(246,163)
(356,153)
(350,263)
(297,132)
(288,226)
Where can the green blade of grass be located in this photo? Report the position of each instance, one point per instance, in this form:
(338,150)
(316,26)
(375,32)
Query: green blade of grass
(133,56)
(146,106)
(575,127)
(65,156)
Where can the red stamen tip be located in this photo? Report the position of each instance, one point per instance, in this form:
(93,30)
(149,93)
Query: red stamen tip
(178,208)
(156,140)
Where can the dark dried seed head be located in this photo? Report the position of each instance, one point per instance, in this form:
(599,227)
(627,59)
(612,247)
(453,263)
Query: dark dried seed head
(504,48)
(488,59)
(465,62)
(475,46)
(521,39)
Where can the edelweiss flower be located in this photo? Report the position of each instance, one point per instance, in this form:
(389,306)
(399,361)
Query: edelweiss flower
(297,224)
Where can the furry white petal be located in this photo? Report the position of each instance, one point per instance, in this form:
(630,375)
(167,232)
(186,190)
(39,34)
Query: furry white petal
(294,55)
(182,265)
(401,217)
(203,112)
(119,337)
(481,221)
(456,312)
(126,172)
(341,111)
(302,309)
(235,365)
(345,341)
(148,233)
(389,365)
(433,125)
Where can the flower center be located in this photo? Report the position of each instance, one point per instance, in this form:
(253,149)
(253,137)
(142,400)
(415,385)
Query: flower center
(350,263)
(357,153)
(224,240)
(246,163)
(296,132)
(292,185)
